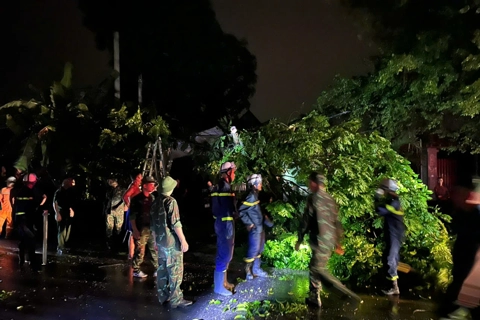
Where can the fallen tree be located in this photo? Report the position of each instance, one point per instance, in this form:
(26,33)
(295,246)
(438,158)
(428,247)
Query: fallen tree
(354,163)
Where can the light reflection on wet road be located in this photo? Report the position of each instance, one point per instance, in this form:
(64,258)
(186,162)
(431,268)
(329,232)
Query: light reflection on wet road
(79,287)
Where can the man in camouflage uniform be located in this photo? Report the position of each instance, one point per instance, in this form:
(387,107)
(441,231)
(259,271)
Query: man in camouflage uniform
(171,244)
(320,221)
(114,211)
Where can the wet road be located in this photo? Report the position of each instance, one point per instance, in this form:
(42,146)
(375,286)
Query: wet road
(89,286)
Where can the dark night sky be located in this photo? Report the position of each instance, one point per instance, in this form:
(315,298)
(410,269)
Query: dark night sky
(299,45)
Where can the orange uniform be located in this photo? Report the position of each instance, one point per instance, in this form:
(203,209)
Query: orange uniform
(6,211)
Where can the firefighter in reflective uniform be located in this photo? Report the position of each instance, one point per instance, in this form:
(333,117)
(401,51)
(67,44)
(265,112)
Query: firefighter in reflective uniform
(251,215)
(223,208)
(25,205)
(388,205)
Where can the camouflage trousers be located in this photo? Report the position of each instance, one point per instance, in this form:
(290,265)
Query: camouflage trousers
(146,241)
(319,273)
(170,276)
(114,221)
(318,264)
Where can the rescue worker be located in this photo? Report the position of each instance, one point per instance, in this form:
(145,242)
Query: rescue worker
(251,215)
(133,189)
(25,205)
(223,209)
(388,205)
(6,209)
(114,212)
(171,244)
(63,202)
(140,218)
(320,221)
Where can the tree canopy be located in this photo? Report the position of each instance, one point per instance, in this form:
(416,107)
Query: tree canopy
(426,83)
(354,164)
(82,132)
(193,73)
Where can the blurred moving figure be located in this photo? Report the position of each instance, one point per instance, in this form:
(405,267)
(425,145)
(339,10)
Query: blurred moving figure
(463,294)
(6,208)
(320,221)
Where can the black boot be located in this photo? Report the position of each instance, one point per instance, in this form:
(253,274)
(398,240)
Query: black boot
(21,255)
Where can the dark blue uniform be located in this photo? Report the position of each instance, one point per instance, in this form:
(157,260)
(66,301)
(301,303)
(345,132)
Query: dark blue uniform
(251,213)
(223,208)
(390,208)
(26,203)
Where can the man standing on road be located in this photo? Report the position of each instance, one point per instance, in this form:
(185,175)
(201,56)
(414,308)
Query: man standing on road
(320,221)
(25,205)
(6,208)
(251,215)
(133,189)
(63,202)
(171,244)
(140,218)
(223,208)
(114,212)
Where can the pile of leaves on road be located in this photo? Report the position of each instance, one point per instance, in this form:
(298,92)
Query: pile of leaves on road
(264,309)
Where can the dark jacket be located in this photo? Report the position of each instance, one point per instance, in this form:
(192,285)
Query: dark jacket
(251,213)
(140,207)
(223,201)
(165,218)
(26,204)
(390,208)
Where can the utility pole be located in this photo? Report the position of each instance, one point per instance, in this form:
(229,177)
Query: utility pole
(116,62)
(140,89)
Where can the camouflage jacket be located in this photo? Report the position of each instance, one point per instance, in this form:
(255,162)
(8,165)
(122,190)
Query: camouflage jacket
(320,220)
(114,199)
(165,217)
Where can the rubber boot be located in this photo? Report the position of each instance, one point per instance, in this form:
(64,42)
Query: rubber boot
(248,271)
(21,256)
(394,290)
(226,284)
(257,270)
(218,287)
